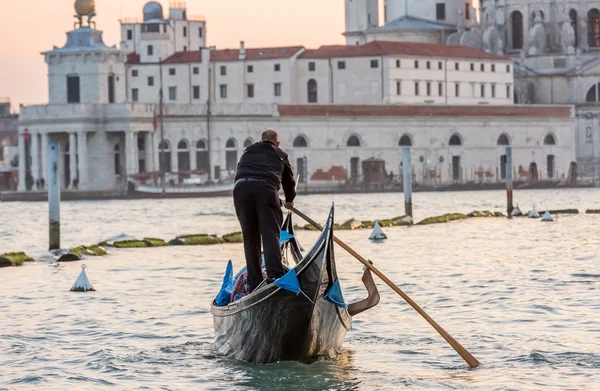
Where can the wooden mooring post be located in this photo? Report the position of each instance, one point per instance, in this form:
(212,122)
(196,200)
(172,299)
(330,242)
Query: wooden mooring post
(54,193)
(407,180)
(509,183)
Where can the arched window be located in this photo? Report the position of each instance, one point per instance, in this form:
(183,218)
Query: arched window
(455,140)
(183,156)
(594,27)
(592,94)
(516,20)
(231,155)
(573,17)
(405,141)
(549,140)
(312,91)
(353,141)
(300,142)
(202,156)
(503,140)
(248,142)
(164,156)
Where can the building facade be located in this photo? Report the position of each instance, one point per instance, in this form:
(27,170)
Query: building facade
(334,107)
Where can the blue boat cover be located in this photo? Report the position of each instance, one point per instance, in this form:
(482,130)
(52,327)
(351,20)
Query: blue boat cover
(289,282)
(284,237)
(224,294)
(334,295)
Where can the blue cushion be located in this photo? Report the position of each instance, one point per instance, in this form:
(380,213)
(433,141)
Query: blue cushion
(224,294)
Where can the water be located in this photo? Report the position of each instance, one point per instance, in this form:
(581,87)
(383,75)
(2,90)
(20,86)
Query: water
(522,296)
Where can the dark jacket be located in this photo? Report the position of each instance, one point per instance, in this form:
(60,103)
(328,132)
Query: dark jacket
(264,160)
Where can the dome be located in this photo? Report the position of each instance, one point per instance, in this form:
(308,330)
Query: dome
(153,10)
(85,7)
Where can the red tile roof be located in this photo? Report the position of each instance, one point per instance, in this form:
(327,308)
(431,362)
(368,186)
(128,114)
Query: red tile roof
(253,54)
(382,48)
(184,57)
(133,58)
(423,111)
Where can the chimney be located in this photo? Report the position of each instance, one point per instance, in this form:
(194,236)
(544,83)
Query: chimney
(242,51)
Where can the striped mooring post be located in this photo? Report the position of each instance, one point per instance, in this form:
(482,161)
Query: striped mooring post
(54,194)
(407,180)
(509,183)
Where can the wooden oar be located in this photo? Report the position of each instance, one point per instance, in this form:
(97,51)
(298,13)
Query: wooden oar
(468,357)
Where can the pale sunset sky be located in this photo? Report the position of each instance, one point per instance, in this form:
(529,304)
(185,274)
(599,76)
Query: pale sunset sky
(30,27)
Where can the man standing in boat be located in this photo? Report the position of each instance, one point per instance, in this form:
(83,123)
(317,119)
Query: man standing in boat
(262,170)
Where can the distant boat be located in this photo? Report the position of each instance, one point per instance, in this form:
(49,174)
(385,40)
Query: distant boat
(184,191)
(533,214)
(547,217)
(377,235)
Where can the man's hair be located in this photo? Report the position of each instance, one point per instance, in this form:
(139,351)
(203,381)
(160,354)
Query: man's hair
(270,135)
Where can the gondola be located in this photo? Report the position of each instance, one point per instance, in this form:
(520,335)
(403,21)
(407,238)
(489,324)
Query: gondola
(299,317)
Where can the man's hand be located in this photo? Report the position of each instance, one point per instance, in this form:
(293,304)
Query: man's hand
(289,205)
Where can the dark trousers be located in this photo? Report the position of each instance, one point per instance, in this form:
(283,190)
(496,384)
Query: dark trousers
(258,209)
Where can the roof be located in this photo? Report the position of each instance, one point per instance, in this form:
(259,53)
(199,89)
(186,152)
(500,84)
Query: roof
(184,57)
(424,111)
(383,48)
(133,59)
(411,23)
(255,53)
(83,39)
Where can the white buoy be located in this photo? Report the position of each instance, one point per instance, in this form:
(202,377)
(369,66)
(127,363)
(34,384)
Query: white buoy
(534,214)
(547,217)
(377,233)
(517,212)
(82,284)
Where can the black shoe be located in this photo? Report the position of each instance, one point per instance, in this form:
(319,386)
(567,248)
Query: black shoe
(270,280)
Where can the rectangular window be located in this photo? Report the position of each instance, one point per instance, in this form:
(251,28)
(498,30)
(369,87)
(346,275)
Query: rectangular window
(134,73)
(277,67)
(341,64)
(111,88)
(508,69)
(150,81)
(73,93)
(223,91)
(467,11)
(129,35)
(250,68)
(150,50)
(277,89)
(185,48)
(374,63)
(493,91)
(312,66)
(196,70)
(440,89)
(482,67)
(172,71)
(135,94)
(223,70)
(196,92)
(482,90)
(397,63)
(417,88)
(472,67)
(416,64)
(440,11)
(456,66)
(250,90)
(398,88)
(184,31)
(200,32)
(428,89)
(440,66)
(457,90)
(508,90)
(172,93)
(493,68)
(428,65)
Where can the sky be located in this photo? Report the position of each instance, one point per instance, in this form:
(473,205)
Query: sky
(25,32)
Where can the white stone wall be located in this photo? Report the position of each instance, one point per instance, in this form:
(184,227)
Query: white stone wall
(424,9)
(321,75)
(405,36)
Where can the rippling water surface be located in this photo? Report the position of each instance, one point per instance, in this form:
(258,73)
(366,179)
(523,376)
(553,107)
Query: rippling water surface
(522,296)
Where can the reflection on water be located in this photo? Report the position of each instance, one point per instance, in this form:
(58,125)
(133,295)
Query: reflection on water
(520,295)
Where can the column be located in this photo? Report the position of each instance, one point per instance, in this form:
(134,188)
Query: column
(44,173)
(156,152)
(83,159)
(22,163)
(148,152)
(35,157)
(193,156)
(72,159)
(130,154)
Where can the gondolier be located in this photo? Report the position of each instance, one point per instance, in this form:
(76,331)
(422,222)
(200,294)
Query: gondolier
(262,170)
